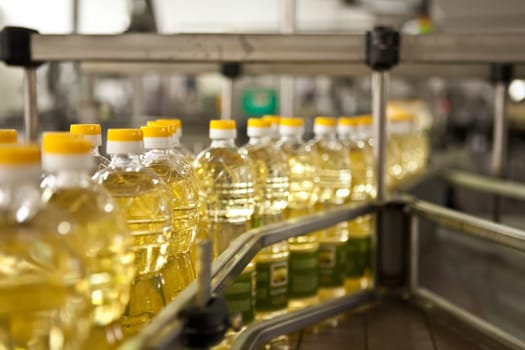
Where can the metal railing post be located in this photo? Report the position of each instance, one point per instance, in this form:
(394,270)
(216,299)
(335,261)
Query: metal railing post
(382,53)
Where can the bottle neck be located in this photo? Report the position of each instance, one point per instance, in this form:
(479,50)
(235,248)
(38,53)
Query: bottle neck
(326,136)
(259,140)
(124,160)
(223,143)
(292,138)
(69,178)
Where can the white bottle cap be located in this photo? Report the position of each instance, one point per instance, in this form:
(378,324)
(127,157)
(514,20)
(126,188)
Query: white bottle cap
(65,151)
(124,141)
(258,128)
(91,132)
(19,163)
(223,129)
(156,136)
(325,125)
(291,126)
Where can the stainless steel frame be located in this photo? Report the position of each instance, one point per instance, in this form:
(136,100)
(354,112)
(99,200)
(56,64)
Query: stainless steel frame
(30,105)
(406,70)
(472,226)
(259,333)
(503,188)
(165,329)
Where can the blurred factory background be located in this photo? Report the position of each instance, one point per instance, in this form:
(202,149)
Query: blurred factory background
(460,109)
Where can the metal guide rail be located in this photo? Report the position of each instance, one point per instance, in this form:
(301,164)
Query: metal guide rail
(432,48)
(467,225)
(166,328)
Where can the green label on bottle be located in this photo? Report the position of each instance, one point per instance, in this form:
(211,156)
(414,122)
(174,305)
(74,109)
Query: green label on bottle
(240,296)
(358,256)
(332,264)
(272,286)
(303,281)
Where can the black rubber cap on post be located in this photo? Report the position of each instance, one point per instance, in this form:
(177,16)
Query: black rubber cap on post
(205,327)
(15,47)
(501,73)
(232,70)
(382,48)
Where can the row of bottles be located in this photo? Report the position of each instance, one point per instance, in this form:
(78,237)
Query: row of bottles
(119,234)
(97,246)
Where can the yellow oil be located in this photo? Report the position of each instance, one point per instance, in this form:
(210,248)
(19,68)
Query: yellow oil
(177,273)
(240,297)
(43,300)
(102,237)
(335,184)
(144,201)
(271,188)
(359,144)
(303,194)
(226,192)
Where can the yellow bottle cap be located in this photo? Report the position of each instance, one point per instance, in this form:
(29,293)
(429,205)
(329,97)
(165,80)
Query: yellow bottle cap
(171,126)
(124,135)
(325,121)
(355,120)
(293,122)
(175,121)
(85,129)
(258,123)
(19,154)
(222,124)
(157,130)
(398,114)
(64,143)
(273,119)
(8,136)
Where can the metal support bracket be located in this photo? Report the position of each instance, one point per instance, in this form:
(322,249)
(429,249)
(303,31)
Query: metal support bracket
(382,54)
(15,50)
(230,71)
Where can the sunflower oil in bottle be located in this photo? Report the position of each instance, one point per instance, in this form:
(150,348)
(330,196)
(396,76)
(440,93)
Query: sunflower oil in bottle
(303,279)
(354,134)
(184,206)
(184,155)
(144,200)
(102,238)
(335,183)
(227,194)
(226,185)
(271,188)
(92,133)
(43,301)
(398,154)
(8,136)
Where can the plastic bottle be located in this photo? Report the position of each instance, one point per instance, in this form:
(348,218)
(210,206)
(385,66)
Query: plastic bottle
(226,185)
(227,193)
(144,199)
(178,271)
(335,183)
(92,133)
(354,133)
(43,301)
(271,183)
(102,236)
(8,136)
(303,278)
